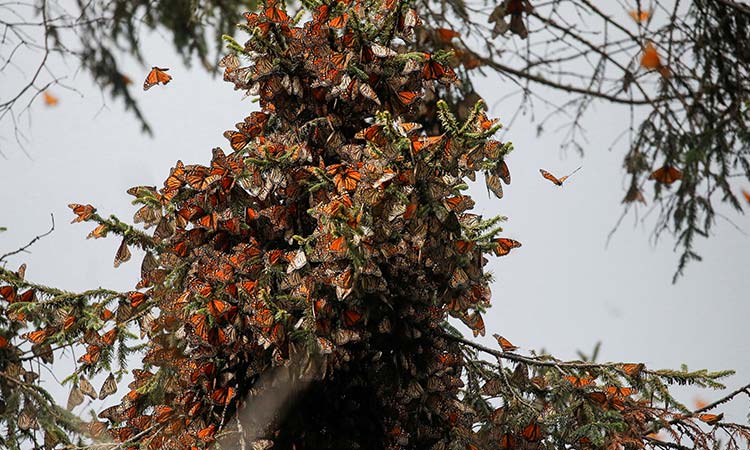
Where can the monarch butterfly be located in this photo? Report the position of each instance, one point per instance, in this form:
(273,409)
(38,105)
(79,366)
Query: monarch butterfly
(28,296)
(123,254)
(338,245)
(746,195)
(109,337)
(503,246)
(433,70)
(345,179)
(219,308)
(351,317)
(8,293)
(92,355)
(650,58)
(230,61)
(666,175)
(407,97)
(508,442)
(200,326)
(86,388)
(49,99)
(505,344)
(633,370)
(276,15)
(237,139)
(155,76)
(579,382)
(108,388)
(137,298)
(446,35)
(411,209)
(617,391)
(37,337)
(418,143)
(554,179)
(532,432)
(639,16)
(83,212)
(634,194)
(465,246)
(27,420)
(223,396)
(711,419)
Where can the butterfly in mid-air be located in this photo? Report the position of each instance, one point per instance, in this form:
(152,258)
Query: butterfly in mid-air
(49,99)
(156,76)
(554,179)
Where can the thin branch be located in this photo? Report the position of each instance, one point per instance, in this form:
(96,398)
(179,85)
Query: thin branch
(33,241)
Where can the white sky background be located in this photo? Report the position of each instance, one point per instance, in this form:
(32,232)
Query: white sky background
(562,291)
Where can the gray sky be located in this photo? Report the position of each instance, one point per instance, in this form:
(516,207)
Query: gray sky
(562,291)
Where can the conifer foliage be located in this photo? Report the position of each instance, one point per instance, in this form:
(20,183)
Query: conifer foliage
(331,246)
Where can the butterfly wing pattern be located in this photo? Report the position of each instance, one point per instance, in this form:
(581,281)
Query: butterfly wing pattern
(155,76)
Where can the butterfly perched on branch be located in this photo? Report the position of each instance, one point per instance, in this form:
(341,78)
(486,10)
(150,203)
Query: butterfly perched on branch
(156,76)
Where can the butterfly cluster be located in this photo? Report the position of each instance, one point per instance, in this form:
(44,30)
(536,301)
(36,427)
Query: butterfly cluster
(337,227)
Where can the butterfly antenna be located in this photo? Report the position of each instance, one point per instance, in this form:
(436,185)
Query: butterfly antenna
(571,173)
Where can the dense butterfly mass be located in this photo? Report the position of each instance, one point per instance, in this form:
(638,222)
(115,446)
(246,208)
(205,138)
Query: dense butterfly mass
(332,242)
(299,239)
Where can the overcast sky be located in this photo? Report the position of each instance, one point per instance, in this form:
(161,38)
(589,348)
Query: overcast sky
(562,291)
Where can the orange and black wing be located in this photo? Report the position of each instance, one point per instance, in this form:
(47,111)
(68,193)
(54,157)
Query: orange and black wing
(551,177)
(666,175)
(156,76)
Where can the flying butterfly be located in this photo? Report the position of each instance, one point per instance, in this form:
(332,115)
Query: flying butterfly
(503,246)
(446,35)
(639,15)
(554,179)
(156,76)
(666,175)
(49,99)
(650,58)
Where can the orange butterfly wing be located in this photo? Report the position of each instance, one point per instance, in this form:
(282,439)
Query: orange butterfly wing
(639,16)
(650,58)
(532,432)
(49,99)
(666,175)
(156,76)
(711,419)
(746,195)
(407,97)
(551,177)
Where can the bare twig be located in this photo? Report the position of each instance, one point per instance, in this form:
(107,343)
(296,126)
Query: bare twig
(32,242)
